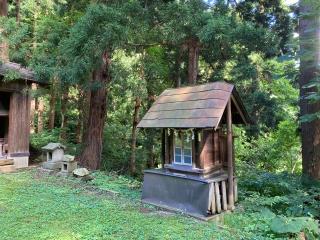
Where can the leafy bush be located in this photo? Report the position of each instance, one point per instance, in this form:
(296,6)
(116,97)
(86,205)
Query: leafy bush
(279,203)
(279,150)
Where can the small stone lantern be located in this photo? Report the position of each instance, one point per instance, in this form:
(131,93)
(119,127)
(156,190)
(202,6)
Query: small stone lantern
(53,153)
(68,165)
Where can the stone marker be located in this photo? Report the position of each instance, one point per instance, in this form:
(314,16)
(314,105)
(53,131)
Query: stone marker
(80,172)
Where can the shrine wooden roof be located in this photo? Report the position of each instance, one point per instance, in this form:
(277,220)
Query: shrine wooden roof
(200,106)
(22,72)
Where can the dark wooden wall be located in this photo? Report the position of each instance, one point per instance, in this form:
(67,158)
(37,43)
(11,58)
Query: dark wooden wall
(19,124)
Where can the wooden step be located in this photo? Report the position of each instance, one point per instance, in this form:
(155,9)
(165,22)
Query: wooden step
(5,162)
(7,169)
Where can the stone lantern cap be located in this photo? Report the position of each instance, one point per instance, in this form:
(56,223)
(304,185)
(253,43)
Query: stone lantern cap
(68,158)
(53,146)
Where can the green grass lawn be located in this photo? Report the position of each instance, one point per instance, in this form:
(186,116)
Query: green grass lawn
(38,206)
(34,205)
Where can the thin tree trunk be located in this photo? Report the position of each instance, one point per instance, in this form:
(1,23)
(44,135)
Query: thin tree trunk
(52,104)
(134,135)
(64,118)
(193,62)
(81,108)
(92,143)
(33,110)
(178,68)
(309,31)
(40,115)
(4,48)
(18,11)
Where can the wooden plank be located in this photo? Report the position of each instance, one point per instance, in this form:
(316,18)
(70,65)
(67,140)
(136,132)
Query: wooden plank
(199,104)
(19,123)
(179,123)
(207,154)
(214,94)
(4,162)
(216,148)
(213,199)
(196,149)
(224,196)
(185,114)
(7,169)
(218,197)
(204,87)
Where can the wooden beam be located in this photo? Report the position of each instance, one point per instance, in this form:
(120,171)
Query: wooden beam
(167,147)
(239,109)
(230,157)
(224,196)
(163,147)
(218,197)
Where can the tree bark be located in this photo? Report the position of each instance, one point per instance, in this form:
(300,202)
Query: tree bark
(135,122)
(18,11)
(33,110)
(85,113)
(193,62)
(52,104)
(4,48)
(92,143)
(309,31)
(64,117)
(178,67)
(40,115)
(81,108)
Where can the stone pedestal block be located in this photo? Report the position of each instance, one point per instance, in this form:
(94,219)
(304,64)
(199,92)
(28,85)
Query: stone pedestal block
(68,167)
(52,165)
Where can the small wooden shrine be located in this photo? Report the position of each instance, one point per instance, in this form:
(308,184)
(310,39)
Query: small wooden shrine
(14,115)
(198,174)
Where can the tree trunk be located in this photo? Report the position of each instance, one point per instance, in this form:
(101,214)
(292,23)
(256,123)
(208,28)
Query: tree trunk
(33,110)
(92,143)
(309,31)
(40,115)
(64,118)
(85,114)
(193,62)
(134,136)
(18,11)
(81,108)
(4,48)
(178,67)
(52,104)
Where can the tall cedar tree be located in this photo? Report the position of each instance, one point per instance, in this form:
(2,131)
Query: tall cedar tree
(309,31)
(88,54)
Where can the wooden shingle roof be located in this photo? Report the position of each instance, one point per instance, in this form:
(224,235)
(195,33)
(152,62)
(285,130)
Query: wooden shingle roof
(199,106)
(22,72)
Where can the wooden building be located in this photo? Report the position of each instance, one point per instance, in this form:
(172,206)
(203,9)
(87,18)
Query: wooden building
(198,174)
(14,115)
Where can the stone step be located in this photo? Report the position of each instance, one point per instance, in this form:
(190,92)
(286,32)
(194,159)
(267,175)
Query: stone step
(4,162)
(7,169)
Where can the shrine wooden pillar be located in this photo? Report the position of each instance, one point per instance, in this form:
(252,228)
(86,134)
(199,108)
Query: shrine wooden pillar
(19,128)
(230,157)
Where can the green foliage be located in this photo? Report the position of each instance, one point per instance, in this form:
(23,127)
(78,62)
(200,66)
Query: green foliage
(278,150)
(38,140)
